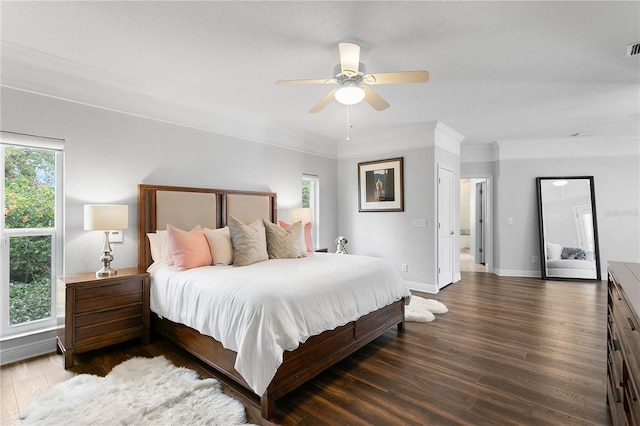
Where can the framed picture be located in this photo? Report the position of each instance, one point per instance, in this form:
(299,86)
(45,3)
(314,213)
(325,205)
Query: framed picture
(380,187)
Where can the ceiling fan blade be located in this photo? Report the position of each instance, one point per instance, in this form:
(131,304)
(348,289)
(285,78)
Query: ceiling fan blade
(318,81)
(397,77)
(349,58)
(323,102)
(373,99)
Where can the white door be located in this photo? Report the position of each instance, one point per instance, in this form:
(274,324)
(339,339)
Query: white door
(481,218)
(445,226)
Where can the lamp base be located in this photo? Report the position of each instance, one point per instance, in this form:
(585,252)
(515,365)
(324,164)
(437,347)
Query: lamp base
(106,272)
(106,259)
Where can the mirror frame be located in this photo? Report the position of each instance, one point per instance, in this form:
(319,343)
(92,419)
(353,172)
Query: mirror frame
(596,246)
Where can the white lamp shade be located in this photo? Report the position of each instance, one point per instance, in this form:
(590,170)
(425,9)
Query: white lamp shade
(349,95)
(106,217)
(302,214)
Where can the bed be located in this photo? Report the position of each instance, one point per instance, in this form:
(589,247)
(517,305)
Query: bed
(275,359)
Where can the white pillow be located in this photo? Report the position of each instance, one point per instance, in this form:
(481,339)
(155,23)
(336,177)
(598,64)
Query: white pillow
(220,244)
(554,251)
(165,249)
(156,247)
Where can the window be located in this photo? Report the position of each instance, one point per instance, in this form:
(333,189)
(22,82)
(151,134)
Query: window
(31,244)
(311,198)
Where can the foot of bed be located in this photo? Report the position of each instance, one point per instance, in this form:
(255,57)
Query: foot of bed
(268,406)
(401,326)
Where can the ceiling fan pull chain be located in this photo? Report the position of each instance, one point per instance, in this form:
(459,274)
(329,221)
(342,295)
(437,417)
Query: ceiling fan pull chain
(348,120)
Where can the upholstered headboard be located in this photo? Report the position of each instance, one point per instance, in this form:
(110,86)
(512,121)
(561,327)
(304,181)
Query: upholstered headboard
(186,207)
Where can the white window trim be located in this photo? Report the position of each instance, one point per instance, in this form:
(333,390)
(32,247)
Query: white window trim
(314,203)
(8,331)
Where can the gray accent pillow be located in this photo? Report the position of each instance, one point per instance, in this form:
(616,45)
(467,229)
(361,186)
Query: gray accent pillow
(283,243)
(249,242)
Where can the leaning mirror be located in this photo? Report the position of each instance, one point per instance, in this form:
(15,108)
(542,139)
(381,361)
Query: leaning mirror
(568,231)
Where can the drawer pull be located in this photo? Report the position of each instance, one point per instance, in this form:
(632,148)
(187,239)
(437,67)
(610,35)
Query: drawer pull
(632,390)
(616,394)
(633,326)
(616,344)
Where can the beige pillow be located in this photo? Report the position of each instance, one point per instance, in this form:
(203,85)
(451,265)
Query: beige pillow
(220,244)
(284,243)
(249,242)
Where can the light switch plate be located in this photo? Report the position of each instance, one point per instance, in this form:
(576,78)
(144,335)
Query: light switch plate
(116,236)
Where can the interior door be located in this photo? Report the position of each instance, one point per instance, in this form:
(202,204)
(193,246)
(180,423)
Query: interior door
(481,217)
(445,226)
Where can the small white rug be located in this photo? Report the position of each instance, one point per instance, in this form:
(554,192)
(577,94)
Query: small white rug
(140,391)
(423,310)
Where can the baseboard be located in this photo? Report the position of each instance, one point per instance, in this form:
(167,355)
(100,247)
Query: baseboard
(423,287)
(29,347)
(516,273)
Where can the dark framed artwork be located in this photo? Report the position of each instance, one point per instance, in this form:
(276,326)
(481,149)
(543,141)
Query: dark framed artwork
(380,187)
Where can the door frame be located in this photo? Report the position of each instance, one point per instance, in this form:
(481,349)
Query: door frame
(488,253)
(453,221)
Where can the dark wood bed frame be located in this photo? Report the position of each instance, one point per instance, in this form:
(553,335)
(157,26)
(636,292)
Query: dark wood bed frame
(309,359)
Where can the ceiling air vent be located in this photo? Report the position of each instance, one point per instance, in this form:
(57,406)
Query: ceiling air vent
(633,49)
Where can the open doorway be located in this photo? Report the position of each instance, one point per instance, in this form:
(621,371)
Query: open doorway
(475,241)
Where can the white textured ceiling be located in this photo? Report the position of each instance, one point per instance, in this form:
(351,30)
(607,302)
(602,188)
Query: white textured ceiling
(499,70)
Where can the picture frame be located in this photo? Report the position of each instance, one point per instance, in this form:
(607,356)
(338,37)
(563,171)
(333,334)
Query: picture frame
(380,186)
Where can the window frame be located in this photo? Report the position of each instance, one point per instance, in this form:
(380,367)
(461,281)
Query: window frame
(314,204)
(56,232)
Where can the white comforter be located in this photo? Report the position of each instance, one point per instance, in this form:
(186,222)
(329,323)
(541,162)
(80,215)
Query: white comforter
(264,309)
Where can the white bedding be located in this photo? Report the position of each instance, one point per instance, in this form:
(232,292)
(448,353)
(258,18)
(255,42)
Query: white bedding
(263,309)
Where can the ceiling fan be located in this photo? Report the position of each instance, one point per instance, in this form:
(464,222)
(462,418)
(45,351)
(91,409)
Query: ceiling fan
(350,75)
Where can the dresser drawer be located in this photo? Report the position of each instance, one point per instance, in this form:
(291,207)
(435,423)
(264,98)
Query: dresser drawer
(109,296)
(111,315)
(102,329)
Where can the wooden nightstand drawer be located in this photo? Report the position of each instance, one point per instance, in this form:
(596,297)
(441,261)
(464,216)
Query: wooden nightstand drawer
(107,302)
(102,329)
(104,311)
(111,315)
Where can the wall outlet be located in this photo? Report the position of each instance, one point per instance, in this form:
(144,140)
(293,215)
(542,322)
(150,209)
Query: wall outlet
(534,259)
(405,267)
(509,221)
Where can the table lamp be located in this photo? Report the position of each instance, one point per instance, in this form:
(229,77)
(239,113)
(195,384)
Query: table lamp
(107,218)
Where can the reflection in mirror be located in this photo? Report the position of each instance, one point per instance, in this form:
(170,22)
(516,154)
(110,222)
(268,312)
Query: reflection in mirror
(568,231)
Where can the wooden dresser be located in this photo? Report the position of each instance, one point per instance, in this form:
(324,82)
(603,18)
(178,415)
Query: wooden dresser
(623,342)
(103,311)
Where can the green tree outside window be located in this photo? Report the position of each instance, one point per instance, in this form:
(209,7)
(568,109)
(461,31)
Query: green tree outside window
(29,179)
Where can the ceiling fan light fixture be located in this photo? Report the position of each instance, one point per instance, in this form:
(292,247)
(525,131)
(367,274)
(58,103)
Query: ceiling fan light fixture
(349,95)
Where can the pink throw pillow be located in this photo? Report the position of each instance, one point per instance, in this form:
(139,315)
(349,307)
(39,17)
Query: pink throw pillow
(307,235)
(188,249)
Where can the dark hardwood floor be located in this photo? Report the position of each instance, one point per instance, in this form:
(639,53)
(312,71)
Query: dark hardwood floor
(509,351)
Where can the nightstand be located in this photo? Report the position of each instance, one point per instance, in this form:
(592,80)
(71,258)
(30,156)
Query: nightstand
(102,311)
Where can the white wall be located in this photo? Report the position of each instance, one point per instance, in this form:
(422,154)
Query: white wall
(616,182)
(108,153)
(390,234)
(514,167)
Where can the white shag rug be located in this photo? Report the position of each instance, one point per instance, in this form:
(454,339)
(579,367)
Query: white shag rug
(423,310)
(140,391)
